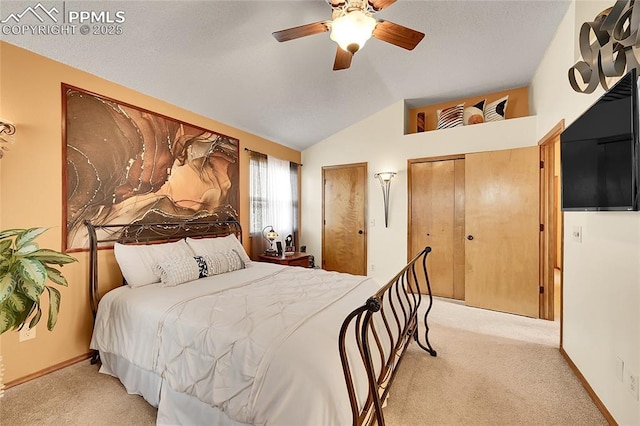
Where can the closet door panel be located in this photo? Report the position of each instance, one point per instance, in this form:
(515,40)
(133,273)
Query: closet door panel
(502,227)
(432,222)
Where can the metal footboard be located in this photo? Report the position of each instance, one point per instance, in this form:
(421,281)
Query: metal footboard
(374,337)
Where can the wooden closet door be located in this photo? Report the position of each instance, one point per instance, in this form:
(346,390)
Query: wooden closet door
(344,237)
(436,219)
(502,224)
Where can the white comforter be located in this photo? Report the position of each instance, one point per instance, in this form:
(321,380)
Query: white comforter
(259,344)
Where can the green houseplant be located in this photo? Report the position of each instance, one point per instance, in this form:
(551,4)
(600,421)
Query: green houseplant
(24,271)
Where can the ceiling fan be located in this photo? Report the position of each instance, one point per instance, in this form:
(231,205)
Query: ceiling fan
(351,25)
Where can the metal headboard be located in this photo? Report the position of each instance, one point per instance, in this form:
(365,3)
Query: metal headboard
(103,236)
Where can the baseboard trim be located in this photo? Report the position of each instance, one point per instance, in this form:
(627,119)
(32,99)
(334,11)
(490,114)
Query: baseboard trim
(48,370)
(607,415)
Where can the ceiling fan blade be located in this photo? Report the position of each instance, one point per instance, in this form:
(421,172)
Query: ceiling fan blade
(343,59)
(397,34)
(301,31)
(378,5)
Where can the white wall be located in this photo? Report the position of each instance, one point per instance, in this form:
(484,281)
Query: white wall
(602,274)
(380,141)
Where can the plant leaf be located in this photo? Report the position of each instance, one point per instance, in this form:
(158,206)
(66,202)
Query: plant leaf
(4,245)
(17,303)
(54,306)
(30,290)
(25,237)
(56,276)
(32,270)
(52,256)
(10,233)
(21,317)
(36,318)
(7,285)
(27,249)
(7,319)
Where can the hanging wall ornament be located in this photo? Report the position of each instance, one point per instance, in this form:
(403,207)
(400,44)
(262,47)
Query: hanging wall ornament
(609,46)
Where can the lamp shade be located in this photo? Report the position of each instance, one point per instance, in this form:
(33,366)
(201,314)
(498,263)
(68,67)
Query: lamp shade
(352,30)
(385,176)
(271,235)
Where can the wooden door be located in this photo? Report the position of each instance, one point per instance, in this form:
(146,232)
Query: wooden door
(436,219)
(502,227)
(549,207)
(344,232)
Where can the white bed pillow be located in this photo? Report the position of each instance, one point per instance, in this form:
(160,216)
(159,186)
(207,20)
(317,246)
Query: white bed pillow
(175,271)
(137,262)
(210,246)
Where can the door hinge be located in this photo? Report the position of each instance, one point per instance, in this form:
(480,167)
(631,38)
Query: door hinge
(541,290)
(542,164)
(542,227)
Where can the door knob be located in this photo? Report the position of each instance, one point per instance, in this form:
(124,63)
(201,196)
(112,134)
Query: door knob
(469,237)
(360,232)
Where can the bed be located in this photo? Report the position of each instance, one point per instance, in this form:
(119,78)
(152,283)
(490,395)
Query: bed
(230,341)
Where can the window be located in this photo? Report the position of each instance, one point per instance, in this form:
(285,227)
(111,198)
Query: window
(273,199)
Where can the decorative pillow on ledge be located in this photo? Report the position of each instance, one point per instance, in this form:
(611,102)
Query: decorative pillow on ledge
(474,114)
(496,111)
(173,272)
(450,117)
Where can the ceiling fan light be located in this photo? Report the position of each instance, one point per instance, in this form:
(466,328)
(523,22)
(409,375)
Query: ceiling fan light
(352,30)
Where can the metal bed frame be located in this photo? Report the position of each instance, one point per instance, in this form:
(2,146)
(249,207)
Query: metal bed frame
(104,236)
(383,326)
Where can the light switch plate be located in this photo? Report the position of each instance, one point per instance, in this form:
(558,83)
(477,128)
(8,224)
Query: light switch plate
(576,234)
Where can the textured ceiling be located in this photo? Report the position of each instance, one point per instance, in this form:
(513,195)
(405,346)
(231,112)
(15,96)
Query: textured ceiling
(218,58)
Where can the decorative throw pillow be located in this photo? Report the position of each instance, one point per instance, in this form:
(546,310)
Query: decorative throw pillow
(496,111)
(181,270)
(474,114)
(137,262)
(177,271)
(450,117)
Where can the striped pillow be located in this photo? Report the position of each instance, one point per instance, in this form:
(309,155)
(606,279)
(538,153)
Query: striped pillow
(450,117)
(497,110)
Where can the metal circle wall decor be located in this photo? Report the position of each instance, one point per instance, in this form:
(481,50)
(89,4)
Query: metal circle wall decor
(609,46)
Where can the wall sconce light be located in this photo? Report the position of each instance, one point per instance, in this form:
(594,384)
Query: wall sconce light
(7,130)
(385,182)
(270,236)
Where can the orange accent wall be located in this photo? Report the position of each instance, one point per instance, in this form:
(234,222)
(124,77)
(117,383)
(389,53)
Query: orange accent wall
(31,191)
(517,106)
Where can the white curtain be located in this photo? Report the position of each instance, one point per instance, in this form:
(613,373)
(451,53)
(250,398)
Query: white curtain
(279,197)
(273,200)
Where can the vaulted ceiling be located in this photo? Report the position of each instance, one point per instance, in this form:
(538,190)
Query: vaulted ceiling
(219,59)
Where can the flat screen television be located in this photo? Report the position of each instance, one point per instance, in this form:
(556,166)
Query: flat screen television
(599,153)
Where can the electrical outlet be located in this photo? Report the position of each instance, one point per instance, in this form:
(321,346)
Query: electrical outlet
(633,385)
(372,223)
(373,267)
(27,334)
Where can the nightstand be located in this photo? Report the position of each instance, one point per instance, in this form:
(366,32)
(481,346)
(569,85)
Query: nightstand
(296,259)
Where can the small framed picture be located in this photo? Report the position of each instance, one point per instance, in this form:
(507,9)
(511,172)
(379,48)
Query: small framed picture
(279,247)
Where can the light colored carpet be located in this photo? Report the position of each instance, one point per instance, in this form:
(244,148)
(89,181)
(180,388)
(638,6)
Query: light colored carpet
(491,369)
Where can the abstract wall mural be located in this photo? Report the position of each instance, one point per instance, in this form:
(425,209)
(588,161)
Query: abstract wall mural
(124,164)
(609,46)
